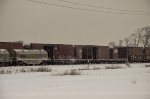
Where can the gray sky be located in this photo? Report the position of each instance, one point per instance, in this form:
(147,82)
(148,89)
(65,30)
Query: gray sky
(34,22)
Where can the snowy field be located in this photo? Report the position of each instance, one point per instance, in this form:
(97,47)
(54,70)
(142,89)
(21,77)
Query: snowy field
(100,83)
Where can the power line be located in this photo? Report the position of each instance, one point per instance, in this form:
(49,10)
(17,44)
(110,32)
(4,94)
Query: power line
(96,6)
(84,9)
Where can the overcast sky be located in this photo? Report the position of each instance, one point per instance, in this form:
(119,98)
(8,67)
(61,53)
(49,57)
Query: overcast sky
(42,23)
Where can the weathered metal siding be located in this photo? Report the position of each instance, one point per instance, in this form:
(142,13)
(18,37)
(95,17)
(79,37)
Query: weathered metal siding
(56,51)
(135,50)
(65,51)
(103,52)
(78,51)
(11,45)
(37,45)
(85,52)
(122,52)
(135,54)
(147,51)
(113,53)
(130,53)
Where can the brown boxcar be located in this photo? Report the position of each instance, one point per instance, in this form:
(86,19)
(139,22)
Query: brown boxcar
(65,51)
(146,52)
(60,51)
(102,52)
(56,51)
(37,45)
(85,52)
(89,52)
(11,45)
(133,54)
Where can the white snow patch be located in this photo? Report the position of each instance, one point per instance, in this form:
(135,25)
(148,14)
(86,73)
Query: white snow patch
(125,83)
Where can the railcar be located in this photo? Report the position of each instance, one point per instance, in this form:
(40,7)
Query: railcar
(60,53)
(83,54)
(4,57)
(28,57)
(11,45)
(92,54)
(146,53)
(132,54)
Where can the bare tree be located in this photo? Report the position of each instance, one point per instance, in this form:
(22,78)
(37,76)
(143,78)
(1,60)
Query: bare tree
(135,38)
(126,40)
(139,36)
(132,40)
(120,42)
(146,36)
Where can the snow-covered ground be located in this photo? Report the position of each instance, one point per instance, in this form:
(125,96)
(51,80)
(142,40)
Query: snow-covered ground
(125,83)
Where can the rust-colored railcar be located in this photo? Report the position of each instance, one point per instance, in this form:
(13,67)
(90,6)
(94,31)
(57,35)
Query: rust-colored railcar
(146,52)
(65,51)
(57,53)
(85,52)
(37,45)
(103,52)
(11,45)
(133,54)
(89,52)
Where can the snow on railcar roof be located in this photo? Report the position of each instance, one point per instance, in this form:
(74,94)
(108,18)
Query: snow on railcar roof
(31,51)
(3,51)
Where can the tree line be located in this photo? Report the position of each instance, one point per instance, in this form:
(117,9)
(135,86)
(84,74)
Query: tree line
(140,38)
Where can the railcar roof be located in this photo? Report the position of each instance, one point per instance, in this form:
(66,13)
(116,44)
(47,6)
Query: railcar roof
(3,51)
(30,51)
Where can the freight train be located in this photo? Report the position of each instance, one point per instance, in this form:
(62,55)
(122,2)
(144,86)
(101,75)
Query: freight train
(15,53)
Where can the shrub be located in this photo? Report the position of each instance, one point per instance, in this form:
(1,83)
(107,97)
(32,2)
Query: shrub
(69,72)
(40,69)
(96,68)
(23,70)
(147,65)
(113,67)
(75,72)
(2,71)
(85,68)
